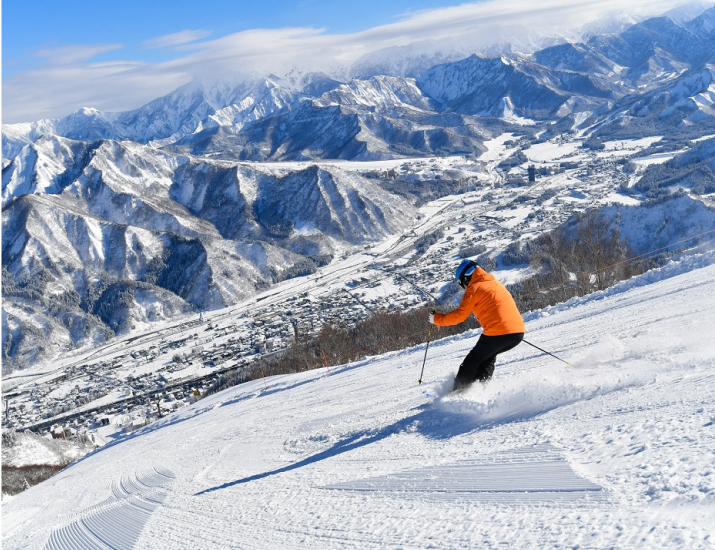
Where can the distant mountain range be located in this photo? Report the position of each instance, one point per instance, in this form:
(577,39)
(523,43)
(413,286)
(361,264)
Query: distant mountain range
(605,73)
(115,219)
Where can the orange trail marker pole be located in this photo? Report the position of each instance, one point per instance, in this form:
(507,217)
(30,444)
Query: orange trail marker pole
(326,360)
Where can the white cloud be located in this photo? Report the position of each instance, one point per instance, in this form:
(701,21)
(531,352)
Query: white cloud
(69,80)
(74,53)
(176,39)
(56,91)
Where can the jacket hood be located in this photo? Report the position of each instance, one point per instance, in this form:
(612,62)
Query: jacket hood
(480,276)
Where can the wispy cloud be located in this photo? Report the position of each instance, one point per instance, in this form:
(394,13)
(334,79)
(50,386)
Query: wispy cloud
(176,39)
(67,55)
(70,79)
(55,91)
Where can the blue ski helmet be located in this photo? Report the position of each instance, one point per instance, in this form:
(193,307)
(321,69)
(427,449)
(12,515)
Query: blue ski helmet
(464,271)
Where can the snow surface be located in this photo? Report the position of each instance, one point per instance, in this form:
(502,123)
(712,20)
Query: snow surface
(617,450)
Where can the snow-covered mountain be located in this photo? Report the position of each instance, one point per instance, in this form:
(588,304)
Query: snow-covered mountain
(684,107)
(659,39)
(118,233)
(378,93)
(703,25)
(648,57)
(380,118)
(575,57)
(489,87)
(188,109)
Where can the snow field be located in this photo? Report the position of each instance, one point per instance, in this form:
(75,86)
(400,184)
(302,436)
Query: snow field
(616,451)
(117,521)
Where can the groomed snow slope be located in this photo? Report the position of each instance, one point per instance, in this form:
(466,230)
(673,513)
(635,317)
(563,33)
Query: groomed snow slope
(617,450)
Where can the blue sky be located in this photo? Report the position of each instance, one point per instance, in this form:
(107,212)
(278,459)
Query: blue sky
(36,25)
(61,55)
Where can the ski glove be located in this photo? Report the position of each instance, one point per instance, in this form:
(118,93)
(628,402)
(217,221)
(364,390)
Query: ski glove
(431,316)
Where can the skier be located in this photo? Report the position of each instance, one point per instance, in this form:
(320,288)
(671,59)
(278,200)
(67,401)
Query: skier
(496,311)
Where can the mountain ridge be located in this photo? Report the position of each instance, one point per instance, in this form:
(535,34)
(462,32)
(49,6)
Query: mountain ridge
(648,54)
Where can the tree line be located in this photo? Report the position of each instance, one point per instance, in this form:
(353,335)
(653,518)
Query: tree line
(584,255)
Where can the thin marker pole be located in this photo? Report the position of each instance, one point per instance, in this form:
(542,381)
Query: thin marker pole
(325,358)
(429,335)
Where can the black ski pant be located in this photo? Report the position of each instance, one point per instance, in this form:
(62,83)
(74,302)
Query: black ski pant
(479,363)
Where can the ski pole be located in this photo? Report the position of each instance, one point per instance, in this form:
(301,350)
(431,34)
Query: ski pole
(546,352)
(429,335)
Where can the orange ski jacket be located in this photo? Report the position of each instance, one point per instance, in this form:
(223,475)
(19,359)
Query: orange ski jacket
(491,303)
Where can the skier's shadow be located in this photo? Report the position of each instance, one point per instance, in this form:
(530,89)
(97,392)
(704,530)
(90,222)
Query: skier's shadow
(427,422)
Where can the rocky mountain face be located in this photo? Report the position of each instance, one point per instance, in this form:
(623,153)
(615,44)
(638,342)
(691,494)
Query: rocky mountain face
(489,87)
(115,234)
(111,220)
(379,118)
